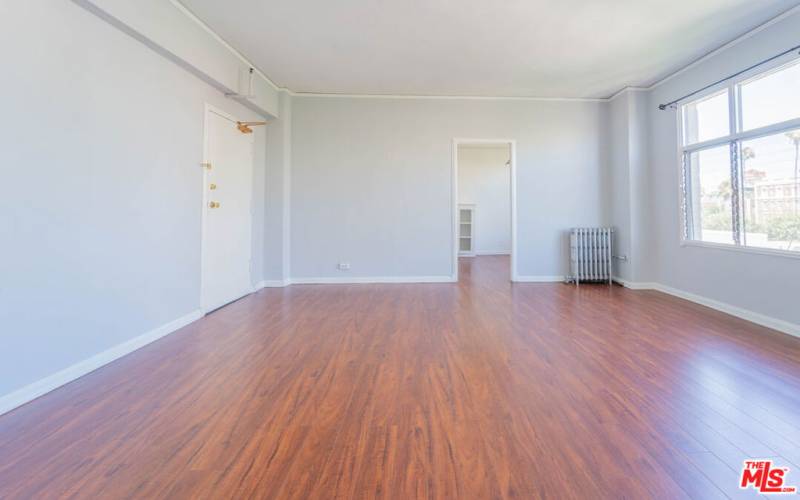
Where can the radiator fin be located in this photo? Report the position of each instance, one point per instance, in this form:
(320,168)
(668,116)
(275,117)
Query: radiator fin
(590,254)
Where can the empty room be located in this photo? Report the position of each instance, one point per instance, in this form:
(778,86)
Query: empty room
(442,250)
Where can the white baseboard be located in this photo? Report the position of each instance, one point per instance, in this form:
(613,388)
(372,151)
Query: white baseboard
(745,314)
(272,284)
(370,279)
(395,279)
(538,279)
(41,387)
(754,317)
(56,380)
(633,285)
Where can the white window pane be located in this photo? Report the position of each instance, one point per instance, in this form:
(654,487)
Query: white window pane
(772,98)
(706,118)
(771,182)
(709,185)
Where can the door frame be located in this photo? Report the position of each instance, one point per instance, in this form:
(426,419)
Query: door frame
(512,144)
(208,109)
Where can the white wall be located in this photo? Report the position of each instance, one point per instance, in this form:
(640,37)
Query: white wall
(627,188)
(276,228)
(371,180)
(100,213)
(766,284)
(484,179)
(168,28)
(618,183)
(101,209)
(642,249)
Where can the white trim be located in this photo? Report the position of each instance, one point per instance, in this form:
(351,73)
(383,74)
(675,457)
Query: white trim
(446,96)
(207,108)
(732,43)
(204,214)
(513,251)
(39,388)
(221,112)
(739,312)
(183,9)
(454,214)
(775,128)
(272,284)
(32,391)
(370,279)
(625,90)
(754,317)
(188,13)
(735,135)
(497,252)
(741,248)
(658,83)
(634,285)
(512,144)
(538,279)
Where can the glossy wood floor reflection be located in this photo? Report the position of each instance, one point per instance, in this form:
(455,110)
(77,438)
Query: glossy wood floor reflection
(478,390)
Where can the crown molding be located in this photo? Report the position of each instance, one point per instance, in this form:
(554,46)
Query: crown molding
(625,90)
(794,10)
(445,96)
(191,15)
(736,41)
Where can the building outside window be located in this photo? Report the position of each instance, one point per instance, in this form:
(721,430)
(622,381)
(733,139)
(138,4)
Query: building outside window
(741,162)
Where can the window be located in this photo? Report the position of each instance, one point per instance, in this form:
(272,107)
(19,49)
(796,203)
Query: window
(706,118)
(771,221)
(767,99)
(710,187)
(741,162)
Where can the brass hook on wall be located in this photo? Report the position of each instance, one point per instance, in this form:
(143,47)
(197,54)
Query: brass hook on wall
(244,127)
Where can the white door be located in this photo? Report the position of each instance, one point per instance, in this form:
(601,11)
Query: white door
(227,214)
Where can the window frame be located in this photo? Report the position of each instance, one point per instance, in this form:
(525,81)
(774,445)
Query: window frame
(733,140)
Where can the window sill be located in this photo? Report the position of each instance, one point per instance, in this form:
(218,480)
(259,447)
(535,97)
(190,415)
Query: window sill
(742,249)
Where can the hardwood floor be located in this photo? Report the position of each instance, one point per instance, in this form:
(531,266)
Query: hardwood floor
(478,390)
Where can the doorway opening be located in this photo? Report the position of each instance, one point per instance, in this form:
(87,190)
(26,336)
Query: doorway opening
(484,205)
(227,217)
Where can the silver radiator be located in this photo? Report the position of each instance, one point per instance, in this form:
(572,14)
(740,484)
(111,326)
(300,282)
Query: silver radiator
(590,254)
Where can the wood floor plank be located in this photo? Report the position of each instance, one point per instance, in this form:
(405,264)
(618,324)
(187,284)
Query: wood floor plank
(481,389)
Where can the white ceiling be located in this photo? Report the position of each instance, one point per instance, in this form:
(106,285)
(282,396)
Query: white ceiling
(532,48)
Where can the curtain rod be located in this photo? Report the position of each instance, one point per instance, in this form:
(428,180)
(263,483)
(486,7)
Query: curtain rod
(662,107)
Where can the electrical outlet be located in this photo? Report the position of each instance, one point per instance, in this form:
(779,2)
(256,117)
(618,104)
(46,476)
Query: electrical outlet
(344,266)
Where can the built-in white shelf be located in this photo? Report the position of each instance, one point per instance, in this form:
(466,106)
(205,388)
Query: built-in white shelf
(466,230)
